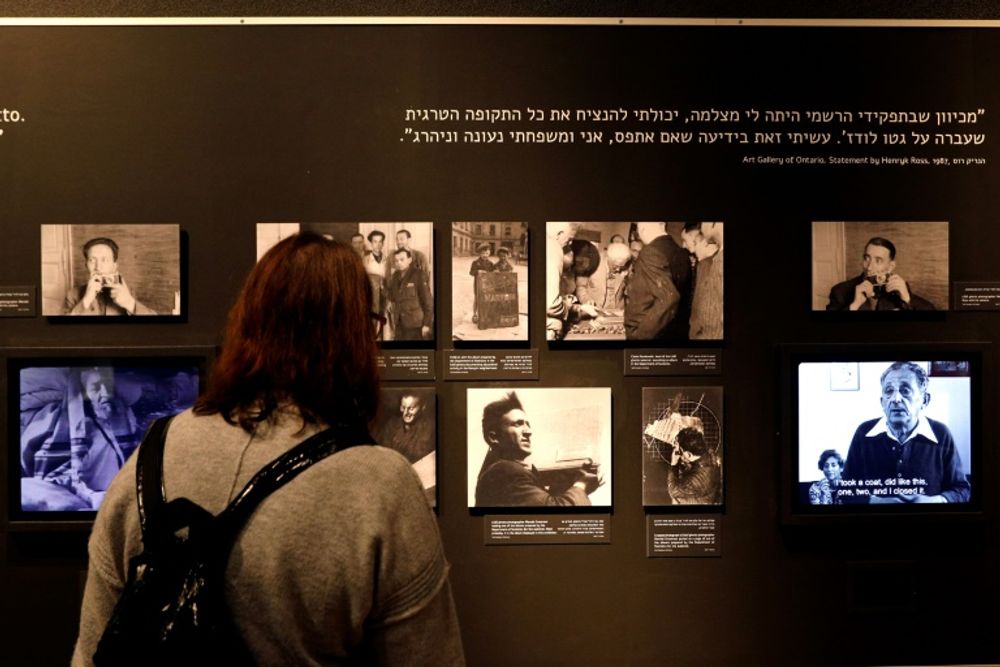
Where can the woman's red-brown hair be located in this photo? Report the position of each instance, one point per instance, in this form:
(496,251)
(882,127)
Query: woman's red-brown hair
(299,333)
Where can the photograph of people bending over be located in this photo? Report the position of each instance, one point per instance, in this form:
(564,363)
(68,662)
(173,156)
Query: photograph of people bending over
(111,270)
(399,260)
(879,266)
(642,281)
(539,447)
(79,424)
(407,423)
(900,433)
(489,284)
(681,446)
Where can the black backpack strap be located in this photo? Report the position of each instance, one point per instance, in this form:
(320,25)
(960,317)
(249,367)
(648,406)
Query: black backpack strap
(278,473)
(149,478)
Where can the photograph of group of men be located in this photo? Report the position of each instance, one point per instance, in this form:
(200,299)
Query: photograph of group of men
(489,285)
(879,266)
(110,270)
(539,447)
(407,423)
(78,425)
(901,432)
(682,446)
(639,281)
(399,260)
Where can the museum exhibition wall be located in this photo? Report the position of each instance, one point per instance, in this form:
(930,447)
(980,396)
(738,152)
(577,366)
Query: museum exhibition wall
(697,275)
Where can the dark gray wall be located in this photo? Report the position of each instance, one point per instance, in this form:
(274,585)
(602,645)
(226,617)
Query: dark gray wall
(219,128)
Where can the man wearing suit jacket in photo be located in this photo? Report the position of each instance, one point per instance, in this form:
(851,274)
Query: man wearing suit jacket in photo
(411,308)
(878,287)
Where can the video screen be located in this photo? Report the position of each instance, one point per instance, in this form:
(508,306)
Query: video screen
(886,433)
(78,424)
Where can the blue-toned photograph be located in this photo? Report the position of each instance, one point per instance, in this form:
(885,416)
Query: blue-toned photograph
(79,424)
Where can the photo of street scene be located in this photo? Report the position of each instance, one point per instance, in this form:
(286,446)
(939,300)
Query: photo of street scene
(489,286)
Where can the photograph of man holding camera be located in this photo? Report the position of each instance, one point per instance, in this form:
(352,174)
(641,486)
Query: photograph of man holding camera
(111,270)
(105,292)
(878,287)
(904,266)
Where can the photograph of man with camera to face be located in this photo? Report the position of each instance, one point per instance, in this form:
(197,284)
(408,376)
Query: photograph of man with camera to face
(903,266)
(105,292)
(110,270)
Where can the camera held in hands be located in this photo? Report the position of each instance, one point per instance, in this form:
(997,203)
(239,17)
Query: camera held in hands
(879,282)
(109,280)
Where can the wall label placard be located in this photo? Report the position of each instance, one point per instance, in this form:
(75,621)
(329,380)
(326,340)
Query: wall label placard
(402,365)
(976,296)
(677,361)
(682,537)
(18,301)
(491,365)
(547,529)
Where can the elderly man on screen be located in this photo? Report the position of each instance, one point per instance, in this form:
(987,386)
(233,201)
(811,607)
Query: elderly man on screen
(92,421)
(904,456)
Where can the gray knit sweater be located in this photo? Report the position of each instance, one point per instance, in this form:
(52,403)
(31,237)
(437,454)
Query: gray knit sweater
(343,564)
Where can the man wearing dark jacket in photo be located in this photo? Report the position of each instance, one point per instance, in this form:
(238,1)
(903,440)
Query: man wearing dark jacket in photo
(506,479)
(659,297)
(878,287)
(411,308)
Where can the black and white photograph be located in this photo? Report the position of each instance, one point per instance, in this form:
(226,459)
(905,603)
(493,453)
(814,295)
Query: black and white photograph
(399,260)
(641,281)
(407,423)
(111,270)
(880,266)
(903,435)
(682,446)
(79,424)
(539,447)
(489,285)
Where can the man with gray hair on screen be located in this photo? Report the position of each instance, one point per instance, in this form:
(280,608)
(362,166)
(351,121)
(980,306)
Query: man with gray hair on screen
(903,456)
(878,286)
